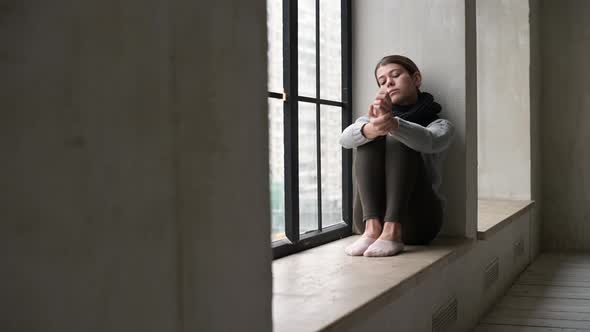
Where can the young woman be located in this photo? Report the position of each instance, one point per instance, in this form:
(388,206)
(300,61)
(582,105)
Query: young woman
(401,144)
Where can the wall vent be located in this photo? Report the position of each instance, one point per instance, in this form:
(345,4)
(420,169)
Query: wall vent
(491,273)
(444,318)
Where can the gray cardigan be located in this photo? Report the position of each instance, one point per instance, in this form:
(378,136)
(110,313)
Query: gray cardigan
(431,141)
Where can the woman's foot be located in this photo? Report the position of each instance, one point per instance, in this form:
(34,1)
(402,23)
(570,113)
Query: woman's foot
(389,242)
(358,247)
(383,248)
(372,231)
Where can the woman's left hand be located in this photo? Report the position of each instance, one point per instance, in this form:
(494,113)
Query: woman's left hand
(380,114)
(382,102)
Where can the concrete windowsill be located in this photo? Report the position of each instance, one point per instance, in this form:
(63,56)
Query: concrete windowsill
(494,215)
(322,287)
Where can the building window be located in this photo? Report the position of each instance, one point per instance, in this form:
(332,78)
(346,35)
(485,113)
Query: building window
(309,103)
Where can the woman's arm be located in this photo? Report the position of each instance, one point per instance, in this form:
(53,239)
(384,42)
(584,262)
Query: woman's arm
(432,139)
(352,136)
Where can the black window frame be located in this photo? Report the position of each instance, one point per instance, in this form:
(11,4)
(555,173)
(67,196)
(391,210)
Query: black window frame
(294,241)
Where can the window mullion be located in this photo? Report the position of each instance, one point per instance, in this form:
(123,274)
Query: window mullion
(291,143)
(346,40)
(318,124)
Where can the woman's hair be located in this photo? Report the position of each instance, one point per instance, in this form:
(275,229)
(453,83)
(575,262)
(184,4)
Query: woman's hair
(401,60)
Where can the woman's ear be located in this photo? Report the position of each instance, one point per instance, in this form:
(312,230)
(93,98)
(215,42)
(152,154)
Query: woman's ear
(417,79)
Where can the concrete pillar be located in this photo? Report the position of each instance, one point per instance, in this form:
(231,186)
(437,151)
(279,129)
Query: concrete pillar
(87,201)
(220,105)
(135,175)
(565,124)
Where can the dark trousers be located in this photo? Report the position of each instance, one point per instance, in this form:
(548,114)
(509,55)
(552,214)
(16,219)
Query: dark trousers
(393,185)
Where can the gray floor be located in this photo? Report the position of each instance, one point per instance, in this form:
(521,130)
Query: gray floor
(553,294)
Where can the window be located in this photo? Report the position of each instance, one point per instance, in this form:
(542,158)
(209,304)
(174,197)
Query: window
(308,106)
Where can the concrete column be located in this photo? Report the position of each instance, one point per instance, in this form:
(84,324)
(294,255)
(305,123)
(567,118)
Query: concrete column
(565,124)
(88,231)
(535,107)
(220,105)
(135,172)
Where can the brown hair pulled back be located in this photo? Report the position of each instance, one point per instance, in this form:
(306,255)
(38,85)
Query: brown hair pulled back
(401,60)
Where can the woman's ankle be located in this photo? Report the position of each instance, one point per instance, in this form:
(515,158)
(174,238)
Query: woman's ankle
(373,228)
(392,231)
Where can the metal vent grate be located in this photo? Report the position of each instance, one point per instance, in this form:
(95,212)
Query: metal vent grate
(492,273)
(444,318)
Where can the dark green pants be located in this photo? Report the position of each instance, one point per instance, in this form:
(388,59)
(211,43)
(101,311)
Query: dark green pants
(393,185)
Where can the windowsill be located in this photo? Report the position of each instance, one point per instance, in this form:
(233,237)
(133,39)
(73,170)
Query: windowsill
(493,215)
(321,287)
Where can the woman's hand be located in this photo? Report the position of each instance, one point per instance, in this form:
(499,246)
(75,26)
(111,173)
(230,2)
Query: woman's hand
(382,102)
(381,120)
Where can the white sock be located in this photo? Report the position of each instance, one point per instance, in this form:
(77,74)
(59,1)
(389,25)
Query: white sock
(359,246)
(381,248)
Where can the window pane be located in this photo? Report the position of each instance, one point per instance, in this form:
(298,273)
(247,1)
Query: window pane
(277,168)
(306,47)
(331,154)
(308,182)
(274,22)
(330,50)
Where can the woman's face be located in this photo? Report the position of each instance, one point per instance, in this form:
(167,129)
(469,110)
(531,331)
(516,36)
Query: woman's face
(401,87)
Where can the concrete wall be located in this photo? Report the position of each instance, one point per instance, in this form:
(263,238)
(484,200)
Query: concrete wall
(440,37)
(504,135)
(565,124)
(125,203)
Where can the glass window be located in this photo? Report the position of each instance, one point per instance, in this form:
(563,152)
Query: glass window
(309,105)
